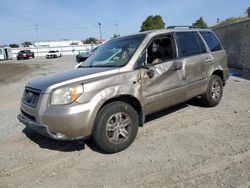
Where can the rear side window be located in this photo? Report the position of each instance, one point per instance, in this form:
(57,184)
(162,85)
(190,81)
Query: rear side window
(211,41)
(189,43)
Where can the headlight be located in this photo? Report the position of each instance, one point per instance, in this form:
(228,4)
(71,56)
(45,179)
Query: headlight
(66,95)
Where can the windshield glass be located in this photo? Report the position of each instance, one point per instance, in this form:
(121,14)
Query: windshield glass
(114,53)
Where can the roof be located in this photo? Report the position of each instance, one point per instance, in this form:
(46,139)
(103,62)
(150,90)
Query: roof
(163,31)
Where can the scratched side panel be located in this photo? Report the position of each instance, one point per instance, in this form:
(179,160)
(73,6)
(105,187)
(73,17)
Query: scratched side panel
(166,88)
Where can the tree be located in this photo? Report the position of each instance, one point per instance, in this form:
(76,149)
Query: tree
(90,40)
(200,23)
(26,44)
(14,45)
(116,36)
(248,12)
(230,21)
(153,22)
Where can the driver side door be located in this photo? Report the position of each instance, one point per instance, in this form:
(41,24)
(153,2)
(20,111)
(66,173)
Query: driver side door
(163,84)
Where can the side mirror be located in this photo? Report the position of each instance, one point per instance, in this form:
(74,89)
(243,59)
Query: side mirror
(150,73)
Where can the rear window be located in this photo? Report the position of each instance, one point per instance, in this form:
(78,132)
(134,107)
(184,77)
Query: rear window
(189,43)
(211,41)
(24,51)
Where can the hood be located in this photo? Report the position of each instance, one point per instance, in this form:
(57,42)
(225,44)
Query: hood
(47,81)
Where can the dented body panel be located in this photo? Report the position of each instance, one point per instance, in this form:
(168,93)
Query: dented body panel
(174,81)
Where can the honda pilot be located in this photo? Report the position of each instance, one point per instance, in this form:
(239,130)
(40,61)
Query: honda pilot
(108,96)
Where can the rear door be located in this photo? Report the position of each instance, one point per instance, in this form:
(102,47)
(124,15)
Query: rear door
(193,52)
(216,57)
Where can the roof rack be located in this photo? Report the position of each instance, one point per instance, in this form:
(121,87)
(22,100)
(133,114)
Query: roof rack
(179,26)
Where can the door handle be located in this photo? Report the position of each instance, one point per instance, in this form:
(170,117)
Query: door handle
(178,65)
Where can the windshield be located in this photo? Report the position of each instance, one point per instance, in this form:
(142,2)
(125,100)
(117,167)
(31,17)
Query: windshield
(52,51)
(114,53)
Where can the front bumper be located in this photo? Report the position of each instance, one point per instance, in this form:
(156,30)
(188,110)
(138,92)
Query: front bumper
(43,129)
(51,56)
(62,122)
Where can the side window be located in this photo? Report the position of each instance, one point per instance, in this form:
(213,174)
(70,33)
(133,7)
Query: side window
(160,50)
(1,52)
(189,44)
(211,41)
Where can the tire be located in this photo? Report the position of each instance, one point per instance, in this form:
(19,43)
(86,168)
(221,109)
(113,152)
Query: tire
(115,127)
(214,91)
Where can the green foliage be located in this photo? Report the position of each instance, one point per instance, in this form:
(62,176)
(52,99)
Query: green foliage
(153,22)
(233,20)
(26,44)
(116,36)
(74,43)
(90,40)
(14,45)
(230,21)
(200,23)
(248,12)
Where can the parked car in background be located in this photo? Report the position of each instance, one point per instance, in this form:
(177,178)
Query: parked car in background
(82,56)
(53,54)
(25,54)
(109,95)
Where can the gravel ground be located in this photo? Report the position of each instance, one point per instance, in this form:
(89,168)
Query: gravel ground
(185,146)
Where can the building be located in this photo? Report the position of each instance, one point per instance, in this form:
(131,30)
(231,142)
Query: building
(59,43)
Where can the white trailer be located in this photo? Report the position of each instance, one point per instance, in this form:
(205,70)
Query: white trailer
(5,53)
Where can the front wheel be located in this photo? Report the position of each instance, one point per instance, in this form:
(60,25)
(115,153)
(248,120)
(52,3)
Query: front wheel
(115,127)
(214,91)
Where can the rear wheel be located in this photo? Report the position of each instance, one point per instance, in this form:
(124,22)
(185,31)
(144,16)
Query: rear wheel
(116,127)
(214,91)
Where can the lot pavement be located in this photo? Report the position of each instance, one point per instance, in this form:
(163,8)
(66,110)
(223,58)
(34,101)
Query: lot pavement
(185,146)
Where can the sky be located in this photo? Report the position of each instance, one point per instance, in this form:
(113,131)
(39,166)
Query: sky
(44,20)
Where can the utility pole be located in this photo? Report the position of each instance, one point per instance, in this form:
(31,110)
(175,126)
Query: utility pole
(116,28)
(36,29)
(100,28)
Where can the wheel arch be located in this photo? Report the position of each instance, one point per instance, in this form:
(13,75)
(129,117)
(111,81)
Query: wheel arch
(220,73)
(131,100)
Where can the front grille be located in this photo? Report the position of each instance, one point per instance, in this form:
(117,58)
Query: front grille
(31,96)
(30,117)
